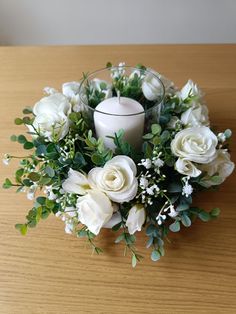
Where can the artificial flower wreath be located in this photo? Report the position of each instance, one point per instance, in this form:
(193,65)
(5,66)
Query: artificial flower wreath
(90,186)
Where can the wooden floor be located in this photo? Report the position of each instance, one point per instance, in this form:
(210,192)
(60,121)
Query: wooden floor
(49,272)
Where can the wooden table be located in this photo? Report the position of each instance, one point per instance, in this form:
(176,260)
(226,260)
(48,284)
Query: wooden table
(51,272)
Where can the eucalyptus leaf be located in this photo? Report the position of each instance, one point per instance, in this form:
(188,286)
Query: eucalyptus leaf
(117,226)
(18,121)
(155,256)
(120,238)
(215,212)
(13,138)
(22,228)
(7,184)
(148,136)
(204,216)
(175,227)
(186,221)
(156,129)
(134,260)
(149,242)
(162,250)
(228,133)
(41,150)
(21,139)
(165,136)
(28,145)
(34,176)
(49,171)
(182,206)
(27,110)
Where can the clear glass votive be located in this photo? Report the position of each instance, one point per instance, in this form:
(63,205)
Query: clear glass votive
(121,97)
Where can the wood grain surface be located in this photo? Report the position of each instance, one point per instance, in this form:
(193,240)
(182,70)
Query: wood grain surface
(49,272)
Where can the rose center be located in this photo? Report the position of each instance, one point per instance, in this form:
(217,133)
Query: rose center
(113,179)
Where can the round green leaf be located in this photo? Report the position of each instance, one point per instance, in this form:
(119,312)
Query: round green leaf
(155,256)
(175,227)
(204,216)
(27,120)
(215,212)
(50,171)
(18,121)
(28,145)
(22,139)
(34,176)
(156,129)
(13,138)
(148,136)
(186,221)
(7,184)
(22,228)
(27,110)
(228,133)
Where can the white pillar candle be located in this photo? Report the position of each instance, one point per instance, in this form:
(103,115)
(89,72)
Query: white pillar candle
(115,113)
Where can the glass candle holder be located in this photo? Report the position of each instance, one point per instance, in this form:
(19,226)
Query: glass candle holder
(121,97)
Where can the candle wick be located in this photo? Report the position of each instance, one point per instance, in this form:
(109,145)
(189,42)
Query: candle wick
(118,94)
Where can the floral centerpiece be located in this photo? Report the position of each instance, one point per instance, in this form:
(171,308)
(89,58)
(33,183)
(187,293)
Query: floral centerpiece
(132,166)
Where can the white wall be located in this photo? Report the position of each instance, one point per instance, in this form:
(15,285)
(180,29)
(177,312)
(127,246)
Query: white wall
(46,22)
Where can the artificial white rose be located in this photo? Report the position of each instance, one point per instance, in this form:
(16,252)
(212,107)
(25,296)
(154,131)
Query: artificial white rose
(151,87)
(168,84)
(76,183)
(197,144)
(55,103)
(71,91)
(189,90)
(187,168)
(101,86)
(51,117)
(221,166)
(136,218)
(53,126)
(116,179)
(196,115)
(94,210)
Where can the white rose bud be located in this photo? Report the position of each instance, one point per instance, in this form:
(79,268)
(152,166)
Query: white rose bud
(136,218)
(190,90)
(168,84)
(221,165)
(196,115)
(51,117)
(197,144)
(151,87)
(116,179)
(187,168)
(94,210)
(71,91)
